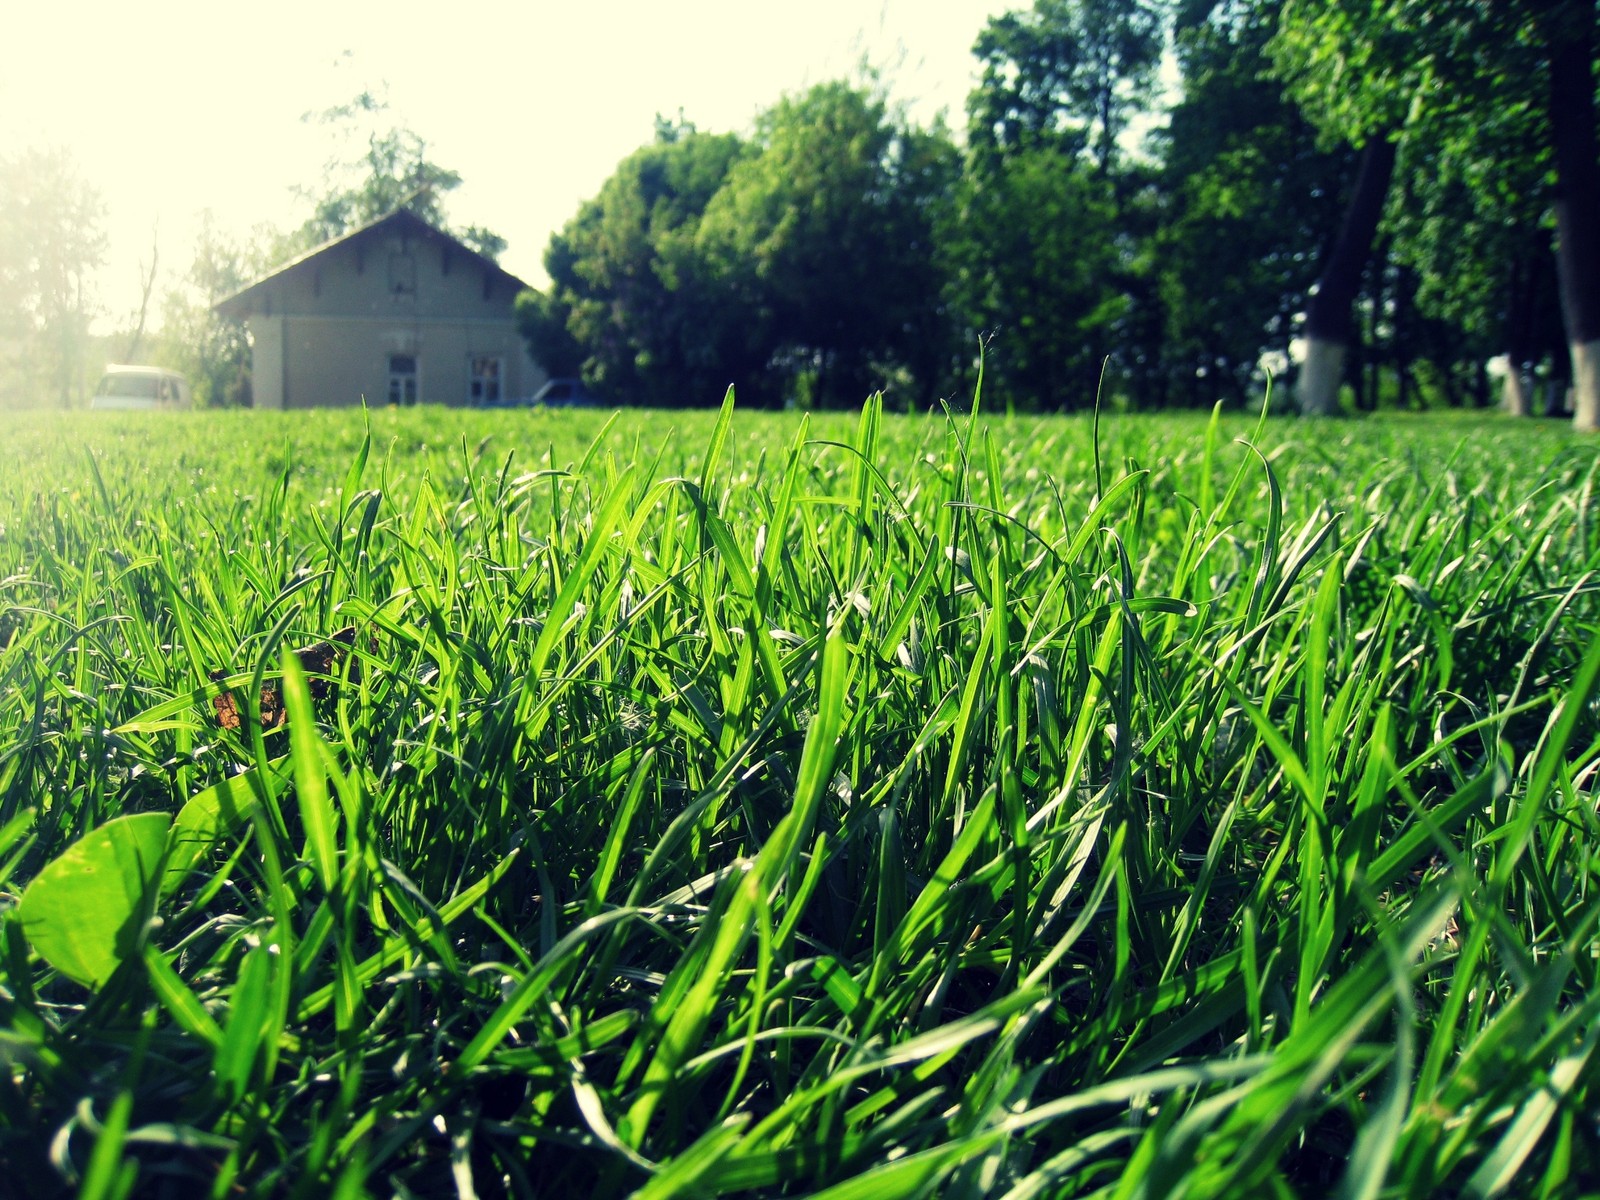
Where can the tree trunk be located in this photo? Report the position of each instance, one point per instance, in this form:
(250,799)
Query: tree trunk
(1555,396)
(1569,33)
(148,280)
(1322,376)
(1518,390)
(1403,340)
(1330,326)
(1522,292)
(1480,383)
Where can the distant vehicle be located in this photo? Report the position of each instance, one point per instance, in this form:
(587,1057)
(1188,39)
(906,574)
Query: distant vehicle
(125,386)
(565,393)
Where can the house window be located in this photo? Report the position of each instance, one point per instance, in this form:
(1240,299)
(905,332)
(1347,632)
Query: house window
(402,275)
(402,379)
(483,379)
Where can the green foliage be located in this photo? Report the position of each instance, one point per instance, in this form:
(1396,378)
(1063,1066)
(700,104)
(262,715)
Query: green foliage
(829,230)
(1354,68)
(1037,274)
(632,306)
(85,912)
(213,353)
(542,321)
(1248,201)
(801,262)
(380,167)
(751,804)
(1049,253)
(840,250)
(1466,88)
(1066,75)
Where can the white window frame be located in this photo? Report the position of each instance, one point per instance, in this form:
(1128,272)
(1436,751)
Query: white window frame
(497,377)
(398,393)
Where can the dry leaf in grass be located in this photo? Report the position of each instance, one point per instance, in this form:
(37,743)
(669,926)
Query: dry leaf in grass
(319,661)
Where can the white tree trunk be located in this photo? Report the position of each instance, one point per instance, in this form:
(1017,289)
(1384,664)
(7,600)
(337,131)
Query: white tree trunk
(1586,386)
(1321,377)
(1518,396)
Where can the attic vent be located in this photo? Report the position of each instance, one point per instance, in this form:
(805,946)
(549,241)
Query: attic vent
(402,275)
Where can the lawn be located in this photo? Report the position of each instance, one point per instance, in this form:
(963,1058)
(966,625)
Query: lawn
(573,804)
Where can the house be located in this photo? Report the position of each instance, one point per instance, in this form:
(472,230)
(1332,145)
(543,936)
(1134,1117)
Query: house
(395,312)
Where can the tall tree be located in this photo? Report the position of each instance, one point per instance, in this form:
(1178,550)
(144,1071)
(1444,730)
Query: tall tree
(1345,66)
(1066,74)
(1248,198)
(1474,225)
(828,231)
(632,305)
(1330,321)
(51,241)
(1034,276)
(1445,74)
(1567,32)
(213,352)
(1052,269)
(380,165)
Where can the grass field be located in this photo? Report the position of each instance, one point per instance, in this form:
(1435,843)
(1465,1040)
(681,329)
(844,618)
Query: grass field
(870,807)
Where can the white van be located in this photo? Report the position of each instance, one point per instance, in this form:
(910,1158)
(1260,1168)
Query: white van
(140,387)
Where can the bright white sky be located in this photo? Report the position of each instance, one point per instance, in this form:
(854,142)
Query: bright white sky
(171,107)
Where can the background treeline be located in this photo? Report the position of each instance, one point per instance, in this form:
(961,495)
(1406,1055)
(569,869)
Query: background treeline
(1174,190)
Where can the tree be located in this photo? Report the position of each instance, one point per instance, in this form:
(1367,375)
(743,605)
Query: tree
(1473,224)
(1035,276)
(1330,321)
(828,231)
(380,166)
(1068,75)
(1320,47)
(51,241)
(1051,249)
(213,352)
(802,264)
(1247,199)
(1567,33)
(1446,75)
(632,305)
(148,273)
(542,318)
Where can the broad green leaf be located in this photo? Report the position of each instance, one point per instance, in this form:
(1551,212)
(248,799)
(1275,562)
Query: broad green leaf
(86,912)
(211,815)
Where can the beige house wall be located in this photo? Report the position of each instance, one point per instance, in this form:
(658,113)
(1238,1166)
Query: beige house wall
(266,361)
(305,362)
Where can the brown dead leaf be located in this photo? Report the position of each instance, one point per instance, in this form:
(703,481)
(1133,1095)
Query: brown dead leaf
(319,661)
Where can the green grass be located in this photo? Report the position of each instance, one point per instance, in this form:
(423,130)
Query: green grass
(866,807)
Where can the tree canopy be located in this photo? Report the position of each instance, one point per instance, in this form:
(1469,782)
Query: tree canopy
(381,165)
(1157,201)
(801,260)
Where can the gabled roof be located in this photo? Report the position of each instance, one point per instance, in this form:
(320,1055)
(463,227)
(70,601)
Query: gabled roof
(400,221)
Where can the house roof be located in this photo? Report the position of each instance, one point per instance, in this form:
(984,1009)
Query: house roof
(401,220)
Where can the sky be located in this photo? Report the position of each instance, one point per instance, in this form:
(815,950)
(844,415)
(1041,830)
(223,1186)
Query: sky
(171,108)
